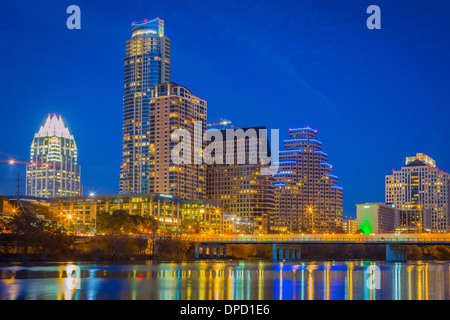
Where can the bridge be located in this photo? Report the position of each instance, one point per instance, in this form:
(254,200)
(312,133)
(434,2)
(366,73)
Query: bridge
(288,247)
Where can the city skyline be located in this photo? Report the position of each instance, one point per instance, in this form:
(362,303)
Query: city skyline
(347,165)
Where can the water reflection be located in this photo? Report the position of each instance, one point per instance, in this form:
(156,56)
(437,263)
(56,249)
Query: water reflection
(231,280)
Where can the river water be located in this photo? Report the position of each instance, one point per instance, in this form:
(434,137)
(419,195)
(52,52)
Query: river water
(228,280)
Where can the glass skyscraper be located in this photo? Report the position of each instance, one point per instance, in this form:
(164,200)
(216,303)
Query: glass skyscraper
(147,63)
(53,171)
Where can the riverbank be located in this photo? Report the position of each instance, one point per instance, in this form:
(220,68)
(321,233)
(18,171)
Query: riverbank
(130,248)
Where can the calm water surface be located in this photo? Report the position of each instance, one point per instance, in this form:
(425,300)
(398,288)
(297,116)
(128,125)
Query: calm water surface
(230,280)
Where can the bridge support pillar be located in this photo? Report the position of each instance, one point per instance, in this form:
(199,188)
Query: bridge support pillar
(284,252)
(274,252)
(196,250)
(395,253)
(204,251)
(280,253)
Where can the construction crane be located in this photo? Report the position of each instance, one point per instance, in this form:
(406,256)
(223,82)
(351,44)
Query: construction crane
(223,122)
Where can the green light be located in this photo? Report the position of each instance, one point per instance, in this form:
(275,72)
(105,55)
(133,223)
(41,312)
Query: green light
(365,227)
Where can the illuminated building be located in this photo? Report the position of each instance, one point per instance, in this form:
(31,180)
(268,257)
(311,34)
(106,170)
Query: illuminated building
(307,197)
(413,221)
(376,218)
(240,186)
(420,189)
(40,207)
(349,226)
(173,107)
(147,63)
(53,171)
(421,157)
(169,210)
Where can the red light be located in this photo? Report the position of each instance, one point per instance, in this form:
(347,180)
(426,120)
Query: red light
(145,20)
(308,127)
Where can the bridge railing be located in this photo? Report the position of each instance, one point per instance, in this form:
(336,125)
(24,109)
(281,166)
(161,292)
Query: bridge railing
(290,239)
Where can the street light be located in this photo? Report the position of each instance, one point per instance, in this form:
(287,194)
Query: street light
(92,195)
(311,211)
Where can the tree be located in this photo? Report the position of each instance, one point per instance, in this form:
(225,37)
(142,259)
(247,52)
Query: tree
(149,225)
(33,234)
(117,222)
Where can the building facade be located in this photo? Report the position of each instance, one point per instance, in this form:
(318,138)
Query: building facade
(147,63)
(54,170)
(239,184)
(376,218)
(169,210)
(176,114)
(350,226)
(421,189)
(307,195)
(414,221)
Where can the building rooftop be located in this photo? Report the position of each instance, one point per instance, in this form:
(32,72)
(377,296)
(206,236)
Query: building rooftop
(417,163)
(54,127)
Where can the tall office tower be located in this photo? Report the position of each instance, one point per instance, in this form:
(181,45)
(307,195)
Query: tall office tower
(245,193)
(174,107)
(307,197)
(147,63)
(53,171)
(420,189)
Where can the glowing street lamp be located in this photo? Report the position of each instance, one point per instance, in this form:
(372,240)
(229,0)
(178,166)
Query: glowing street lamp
(311,211)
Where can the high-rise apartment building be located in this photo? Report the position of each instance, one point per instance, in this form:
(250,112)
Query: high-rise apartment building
(147,63)
(420,189)
(53,171)
(239,185)
(307,197)
(174,107)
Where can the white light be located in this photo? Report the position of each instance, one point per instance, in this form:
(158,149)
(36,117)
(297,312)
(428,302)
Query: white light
(91,194)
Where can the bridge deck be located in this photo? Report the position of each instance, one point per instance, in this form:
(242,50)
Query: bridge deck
(326,239)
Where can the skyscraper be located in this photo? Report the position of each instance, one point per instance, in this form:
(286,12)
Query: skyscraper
(307,197)
(240,186)
(420,190)
(174,107)
(53,171)
(147,63)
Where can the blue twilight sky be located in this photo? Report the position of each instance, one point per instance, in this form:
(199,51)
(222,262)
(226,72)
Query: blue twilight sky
(375,96)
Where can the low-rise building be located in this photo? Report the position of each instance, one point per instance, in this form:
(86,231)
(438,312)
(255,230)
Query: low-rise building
(169,210)
(350,226)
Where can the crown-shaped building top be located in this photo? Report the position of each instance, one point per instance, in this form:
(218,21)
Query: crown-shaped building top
(54,127)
